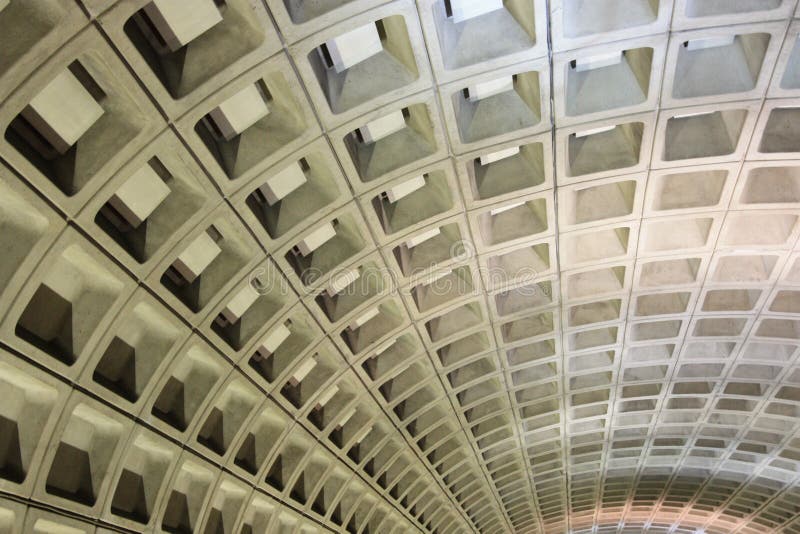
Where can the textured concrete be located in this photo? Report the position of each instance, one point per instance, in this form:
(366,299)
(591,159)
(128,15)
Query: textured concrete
(536,271)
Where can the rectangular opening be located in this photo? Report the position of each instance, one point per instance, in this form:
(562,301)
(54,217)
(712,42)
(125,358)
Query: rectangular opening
(786,302)
(772,185)
(524,220)
(655,330)
(598,245)
(526,297)
(594,312)
(350,290)
(471,372)
(288,461)
(464,347)
(413,142)
(715,350)
(266,117)
(291,195)
(365,63)
(700,370)
(461,318)
(176,403)
(83,455)
(68,129)
(391,357)
(669,272)
(638,374)
(591,361)
(677,234)
(607,150)
(152,195)
(442,288)
(68,305)
(499,110)
(595,282)
(704,8)
(744,268)
(131,358)
(518,264)
(245,314)
(782,132)
(473,32)
(719,327)
(596,85)
(703,136)
(733,300)
(307,378)
(438,249)
(779,328)
(424,197)
(280,348)
(22,423)
(758,229)
(581,18)
(662,303)
(146,466)
(689,190)
(326,252)
(207,264)
(229,413)
(608,201)
(186,44)
(507,171)
(527,327)
(374,324)
(719,68)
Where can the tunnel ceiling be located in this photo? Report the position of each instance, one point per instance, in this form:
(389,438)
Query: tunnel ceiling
(444,266)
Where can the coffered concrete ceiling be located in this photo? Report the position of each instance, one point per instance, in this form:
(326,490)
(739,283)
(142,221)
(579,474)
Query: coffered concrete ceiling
(465,266)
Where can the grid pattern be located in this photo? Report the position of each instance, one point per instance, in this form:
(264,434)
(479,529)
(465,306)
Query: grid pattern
(529,266)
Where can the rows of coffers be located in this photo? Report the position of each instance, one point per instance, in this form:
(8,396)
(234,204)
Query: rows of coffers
(534,217)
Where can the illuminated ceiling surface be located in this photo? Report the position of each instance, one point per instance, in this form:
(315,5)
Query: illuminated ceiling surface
(476,266)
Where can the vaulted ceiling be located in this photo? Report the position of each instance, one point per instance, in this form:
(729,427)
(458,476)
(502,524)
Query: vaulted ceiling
(444,266)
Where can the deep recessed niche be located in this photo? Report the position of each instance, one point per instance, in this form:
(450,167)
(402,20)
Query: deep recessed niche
(490,177)
(706,135)
(375,156)
(219,37)
(606,149)
(608,88)
(582,18)
(719,65)
(348,84)
(782,132)
(488,36)
(516,108)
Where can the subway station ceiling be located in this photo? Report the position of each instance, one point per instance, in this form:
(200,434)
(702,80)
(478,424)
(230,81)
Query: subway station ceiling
(444,266)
